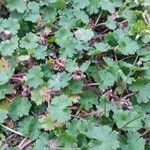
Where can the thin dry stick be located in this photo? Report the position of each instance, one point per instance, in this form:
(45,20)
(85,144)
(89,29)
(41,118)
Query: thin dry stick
(17,79)
(129,95)
(19,74)
(20,145)
(26,144)
(8,99)
(146,132)
(98,18)
(1,1)
(11,130)
(91,113)
(91,84)
(100,24)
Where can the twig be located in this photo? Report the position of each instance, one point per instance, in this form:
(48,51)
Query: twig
(26,144)
(8,99)
(91,84)
(10,137)
(73,108)
(98,18)
(91,113)
(100,24)
(16,78)
(129,95)
(20,145)
(130,56)
(116,59)
(19,74)
(11,130)
(143,134)
(1,1)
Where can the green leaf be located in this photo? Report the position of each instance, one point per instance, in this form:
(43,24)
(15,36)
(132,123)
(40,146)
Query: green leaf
(108,76)
(75,87)
(110,39)
(110,23)
(106,42)
(68,48)
(81,15)
(85,66)
(52,1)
(29,41)
(88,100)
(142,87)
(59,109)
(3,115)
(19,108)
(4,107)
(8,47)
(80,4)
(107,5)
(103,138)
(5,75)
(40,142)
(84,34)
(121,34)
(40,52)
(38,95)
(147,121)
(117,3)
(128,120)
(71,65)
(130,16)
(94,6)
(102,47)
(49,16)
(33,12)
(19,5)
(5,89)
(134,142)
(47,71)
(35,76)
(128,46)
(59,80)
(62,35)
(67,21)
(65,40)
(30,127)
(10,25)
(76,127)
(47,123)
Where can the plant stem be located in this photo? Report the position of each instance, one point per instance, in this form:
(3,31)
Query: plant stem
(130,121)
(91,84)
(11,130)
(129,95)
(98,18)
(100,24)
(16,78)
(129,74)
(92,113)
(143,134)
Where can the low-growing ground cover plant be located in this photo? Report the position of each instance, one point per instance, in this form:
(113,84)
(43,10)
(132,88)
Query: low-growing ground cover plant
(75,74)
